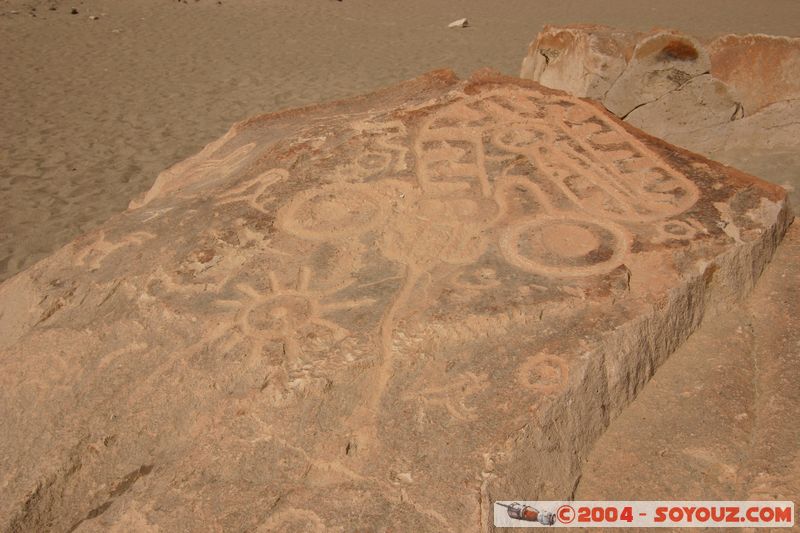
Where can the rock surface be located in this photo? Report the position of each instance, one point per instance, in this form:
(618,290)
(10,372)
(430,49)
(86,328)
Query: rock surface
(765,144)
(661,62)
(717,420)
(386,311)
(761,69)
(702,102)
(582,60)
(744,113)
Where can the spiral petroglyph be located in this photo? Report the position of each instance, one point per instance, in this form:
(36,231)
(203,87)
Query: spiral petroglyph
(544,373)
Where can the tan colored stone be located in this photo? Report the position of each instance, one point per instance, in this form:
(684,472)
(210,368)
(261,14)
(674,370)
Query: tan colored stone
(661,62)
(702,102)
(382,312)
(761,69)
(717,420)
(765,144)
(583,60)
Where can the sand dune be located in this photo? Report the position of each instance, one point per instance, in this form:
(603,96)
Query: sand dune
(92,110)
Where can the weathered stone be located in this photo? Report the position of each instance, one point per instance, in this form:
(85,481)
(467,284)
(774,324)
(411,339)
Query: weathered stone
(387,311)
(760,136)
(766,144)
(460,23)
(701,103)
(661,62)
(761,69)
(715,421)
(583,60)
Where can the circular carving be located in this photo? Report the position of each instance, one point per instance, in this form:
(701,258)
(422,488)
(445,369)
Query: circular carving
(521,137)
(332,212)
(276,316)
(544,373)
(374,161)
(564,247)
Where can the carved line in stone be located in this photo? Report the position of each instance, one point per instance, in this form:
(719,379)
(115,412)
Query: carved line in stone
(333,212)
(646,189)
(575,246)
(94,254)
(609,176)
(454,395)
(199,166)
(550,373)
(281,313)
(387,144)
(224,165)
(674,229)
(252,190)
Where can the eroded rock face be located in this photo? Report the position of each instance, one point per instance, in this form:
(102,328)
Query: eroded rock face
(622,69)
(718,406)
(583,60)
(761,69)
(743,113)
(661,62)
(388,311)
(702,102)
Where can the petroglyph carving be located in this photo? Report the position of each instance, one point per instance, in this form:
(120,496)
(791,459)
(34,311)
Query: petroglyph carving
(333,212)
(221,166)
(544,373)
(580,170)
(574,246)
(252,191)
(586,157)
(565,175)
(675,229)
(401,324)
(285,315)
(386,148)
(454,396)
(93,255)
(202,167)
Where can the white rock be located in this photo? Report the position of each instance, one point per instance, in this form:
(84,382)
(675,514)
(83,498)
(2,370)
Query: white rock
(460,23)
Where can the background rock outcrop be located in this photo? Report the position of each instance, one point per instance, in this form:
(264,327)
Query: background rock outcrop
(583,60)
(735,98)
(761,69)
(386,311)
(661,62)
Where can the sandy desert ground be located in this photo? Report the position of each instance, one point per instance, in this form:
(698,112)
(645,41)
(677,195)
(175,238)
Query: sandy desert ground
(92,109)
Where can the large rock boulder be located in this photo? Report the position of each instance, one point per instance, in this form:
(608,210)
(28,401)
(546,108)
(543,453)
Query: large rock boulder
(765,144)
(623,69)
(387,311)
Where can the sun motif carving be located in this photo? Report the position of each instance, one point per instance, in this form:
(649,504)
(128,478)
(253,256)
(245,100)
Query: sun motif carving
(288,314)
